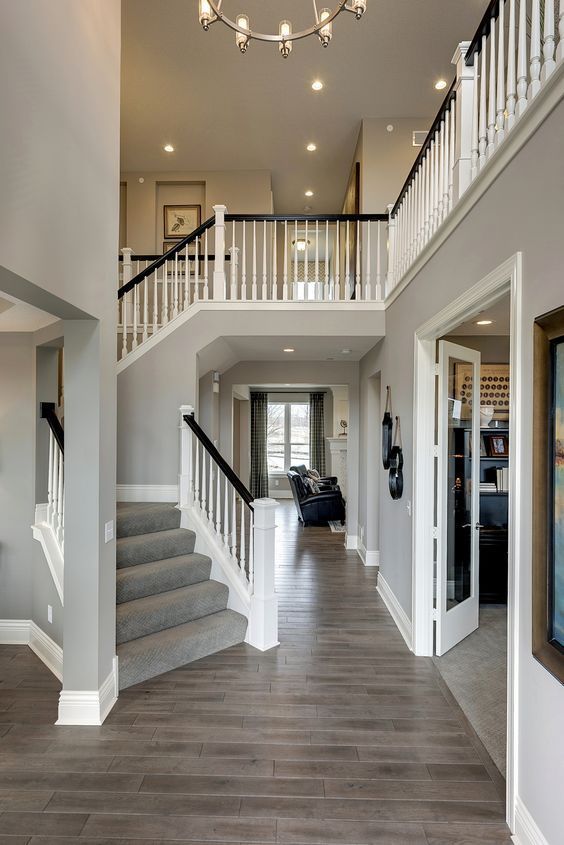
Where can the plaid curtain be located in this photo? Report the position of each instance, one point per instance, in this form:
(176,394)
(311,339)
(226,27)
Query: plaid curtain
(317,432)
(259,461)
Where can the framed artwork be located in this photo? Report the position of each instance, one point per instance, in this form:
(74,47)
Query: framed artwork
(494,388)
(497,445)
(181,220)
(548,493)
(168,245)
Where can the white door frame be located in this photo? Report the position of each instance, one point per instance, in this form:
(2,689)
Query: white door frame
(507,278)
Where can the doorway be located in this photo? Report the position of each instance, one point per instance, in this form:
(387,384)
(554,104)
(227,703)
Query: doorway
(505,281)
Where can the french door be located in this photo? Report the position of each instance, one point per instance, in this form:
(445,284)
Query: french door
(457,495)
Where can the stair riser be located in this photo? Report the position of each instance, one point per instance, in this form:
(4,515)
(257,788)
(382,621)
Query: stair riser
(155,547)
(134,583)
(154,614)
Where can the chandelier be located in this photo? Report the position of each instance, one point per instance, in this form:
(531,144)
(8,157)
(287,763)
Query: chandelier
(210,11)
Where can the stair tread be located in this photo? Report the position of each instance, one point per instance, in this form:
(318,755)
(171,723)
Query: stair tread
(156,545)
(171,648)
(133,519)
(148,615)
(160,576)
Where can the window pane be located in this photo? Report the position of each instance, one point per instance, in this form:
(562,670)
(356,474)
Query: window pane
(276,459)
(275,431)
(300,454)
(299,423)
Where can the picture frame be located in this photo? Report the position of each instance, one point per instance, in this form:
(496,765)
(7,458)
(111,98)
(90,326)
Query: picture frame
(494,388)
(168,245)
(497,445)
(180,220)
(548,493)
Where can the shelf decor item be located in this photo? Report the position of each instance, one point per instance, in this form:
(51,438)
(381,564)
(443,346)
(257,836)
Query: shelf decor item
(180,220)
(395,479)
(344,425)
(494,390)
(486,415)
(387,427)
(497,445)
(548,493)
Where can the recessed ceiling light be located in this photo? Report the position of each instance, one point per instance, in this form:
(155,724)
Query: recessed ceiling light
(440,84)
(311,148)
(317,85)
(346,351)
(288,349)
(484,322)
(309,193)
(168,148)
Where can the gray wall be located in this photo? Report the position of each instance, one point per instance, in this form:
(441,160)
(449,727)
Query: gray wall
(521,211)
(59,171)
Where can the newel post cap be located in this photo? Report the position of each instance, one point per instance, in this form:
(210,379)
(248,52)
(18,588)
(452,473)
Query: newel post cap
(265,510)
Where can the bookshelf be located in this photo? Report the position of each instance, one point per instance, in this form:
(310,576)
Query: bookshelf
(494,469)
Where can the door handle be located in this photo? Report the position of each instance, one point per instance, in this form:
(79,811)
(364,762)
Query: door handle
(478,526)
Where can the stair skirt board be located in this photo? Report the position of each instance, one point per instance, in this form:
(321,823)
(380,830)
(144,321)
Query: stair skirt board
(147,492)
(27,632)
(169,611)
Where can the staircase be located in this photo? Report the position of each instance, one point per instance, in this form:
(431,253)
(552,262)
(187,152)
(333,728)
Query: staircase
(169,612)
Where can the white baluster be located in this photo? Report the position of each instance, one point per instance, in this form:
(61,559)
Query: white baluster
(391,275)
(155,302)
(50,478)
(145,333)
(306,264)
(206,270)
(254,263)
(452,154)
(560,48)
(522,59)
(548,41)
(317,259)
(164,318)
(295,259)
(511,73)
(358,289)
(244,266)
(264,291)
(446,162)
(186,286)
(500,116)
(483,136)
(124,325)
(274,261)
(197,269)
(197,498)
(285,272)
(233,524)
(211,491)
(326,290)
(348,289)
(337,291)
(242,546)
(175,288)
(225,512)
(204,487)
(535,67)
(492,93)
(441,174)
(135,342)
(475,110)
(60,499)
(368,279)
(234,253)
(218,501)
(378,291)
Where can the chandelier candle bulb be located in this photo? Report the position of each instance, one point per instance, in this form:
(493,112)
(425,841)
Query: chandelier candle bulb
(326,32)
(284,31)
(359,8)
(206,16)
(242,40)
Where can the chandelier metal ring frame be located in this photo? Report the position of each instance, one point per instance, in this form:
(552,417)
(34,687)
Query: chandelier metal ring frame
(210,11)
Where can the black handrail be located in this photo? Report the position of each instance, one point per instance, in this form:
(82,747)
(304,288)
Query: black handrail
(200,257)
(47,412)
(216,456)
(491,14)
(451,95)
(304,218)
(167,255)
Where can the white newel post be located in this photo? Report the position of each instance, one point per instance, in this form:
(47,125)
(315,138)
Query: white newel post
(185,475)
(263,619)
(127,275)
(219,282)
(464,115)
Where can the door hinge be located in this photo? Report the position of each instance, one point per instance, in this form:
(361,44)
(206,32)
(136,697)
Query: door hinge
(435,532)
(436,451)
(435,614)
(436,369)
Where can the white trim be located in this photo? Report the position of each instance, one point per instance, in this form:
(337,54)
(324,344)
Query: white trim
(89,707)
(351,542)
(44,534)
(507,278)
(27,632)
(275,493)
(526,829)
(147,492)
(369,558)
(535,114)
(395,609)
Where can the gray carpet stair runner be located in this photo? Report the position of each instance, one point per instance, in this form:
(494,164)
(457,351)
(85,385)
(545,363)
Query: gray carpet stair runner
(169,612)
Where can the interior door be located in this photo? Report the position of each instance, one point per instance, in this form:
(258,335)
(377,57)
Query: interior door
(458,495)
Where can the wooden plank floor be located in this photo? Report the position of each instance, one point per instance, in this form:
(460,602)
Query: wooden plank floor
(338,737)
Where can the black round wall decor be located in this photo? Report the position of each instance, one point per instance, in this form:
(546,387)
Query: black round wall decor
(395,478)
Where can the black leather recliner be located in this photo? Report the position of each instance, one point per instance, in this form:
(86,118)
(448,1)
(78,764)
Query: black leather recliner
(325,506)
(326,482)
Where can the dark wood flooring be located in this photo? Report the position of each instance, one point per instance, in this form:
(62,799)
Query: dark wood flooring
(338,737)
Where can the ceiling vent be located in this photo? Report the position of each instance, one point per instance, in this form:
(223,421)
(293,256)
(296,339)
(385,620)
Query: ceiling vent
(419,137)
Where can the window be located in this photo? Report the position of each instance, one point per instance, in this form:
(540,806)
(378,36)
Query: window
(288,435)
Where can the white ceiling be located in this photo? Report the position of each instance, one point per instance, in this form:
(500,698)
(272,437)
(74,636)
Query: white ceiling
(225,111)
(227,351)
(498,313)
(17,316)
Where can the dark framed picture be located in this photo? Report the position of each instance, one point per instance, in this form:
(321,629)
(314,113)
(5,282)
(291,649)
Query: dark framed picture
(168,245)
(548,493)
(497,445)
(180,220)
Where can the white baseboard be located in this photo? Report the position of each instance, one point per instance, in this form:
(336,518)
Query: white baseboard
(526,830)
(369,558)
(89,707)
(147,493)
(27,632)
(351,542)
(397,612)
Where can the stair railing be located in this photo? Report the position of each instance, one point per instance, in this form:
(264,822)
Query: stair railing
(55,512)
(243,528)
